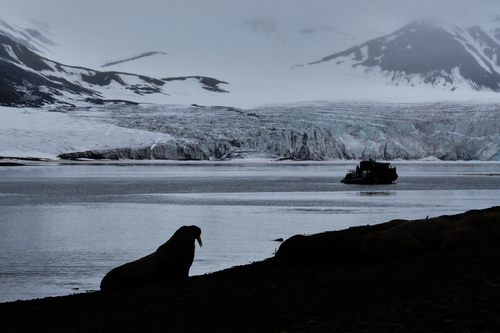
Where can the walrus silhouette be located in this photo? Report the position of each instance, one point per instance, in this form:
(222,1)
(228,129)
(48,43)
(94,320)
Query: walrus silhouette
(171,261)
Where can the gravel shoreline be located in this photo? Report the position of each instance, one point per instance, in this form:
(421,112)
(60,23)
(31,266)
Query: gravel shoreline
(450,291)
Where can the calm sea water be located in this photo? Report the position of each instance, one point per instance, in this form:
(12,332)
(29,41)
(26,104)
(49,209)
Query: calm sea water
(64,226)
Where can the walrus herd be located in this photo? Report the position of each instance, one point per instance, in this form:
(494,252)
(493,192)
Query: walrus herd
(371,243)
(394,239)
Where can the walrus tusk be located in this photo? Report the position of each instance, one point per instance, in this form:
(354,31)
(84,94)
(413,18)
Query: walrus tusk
(199,241)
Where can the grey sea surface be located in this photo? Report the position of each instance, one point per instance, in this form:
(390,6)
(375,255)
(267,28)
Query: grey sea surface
(63,226)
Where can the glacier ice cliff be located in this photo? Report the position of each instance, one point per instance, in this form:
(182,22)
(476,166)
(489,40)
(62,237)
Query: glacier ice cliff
(315,131)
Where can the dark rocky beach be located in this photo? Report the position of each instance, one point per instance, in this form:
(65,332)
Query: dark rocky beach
(446,290)
(452,291)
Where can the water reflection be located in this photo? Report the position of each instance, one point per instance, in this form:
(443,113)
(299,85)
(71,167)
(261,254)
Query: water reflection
(376,193)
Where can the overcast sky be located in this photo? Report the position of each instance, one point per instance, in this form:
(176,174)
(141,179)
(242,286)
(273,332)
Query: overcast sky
(381,14)
(126,27)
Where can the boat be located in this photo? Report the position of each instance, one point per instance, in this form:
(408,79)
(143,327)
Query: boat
(371,172)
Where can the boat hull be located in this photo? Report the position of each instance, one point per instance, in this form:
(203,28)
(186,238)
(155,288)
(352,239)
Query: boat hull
(362,181)
(371,172)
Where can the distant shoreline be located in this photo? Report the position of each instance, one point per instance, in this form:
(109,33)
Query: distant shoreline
(46,161)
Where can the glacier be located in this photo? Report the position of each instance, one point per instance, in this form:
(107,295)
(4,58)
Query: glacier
(315,131)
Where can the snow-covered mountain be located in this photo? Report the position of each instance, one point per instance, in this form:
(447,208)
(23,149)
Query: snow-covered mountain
(27,79)
(422,58)
(429,53)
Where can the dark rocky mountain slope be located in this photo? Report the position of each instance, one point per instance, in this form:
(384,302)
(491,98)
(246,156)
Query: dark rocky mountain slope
(27,79)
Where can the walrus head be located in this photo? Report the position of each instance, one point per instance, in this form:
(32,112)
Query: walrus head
(189,232)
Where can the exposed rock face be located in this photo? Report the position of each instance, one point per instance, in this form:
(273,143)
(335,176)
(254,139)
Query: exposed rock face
(207,83)
(143,55)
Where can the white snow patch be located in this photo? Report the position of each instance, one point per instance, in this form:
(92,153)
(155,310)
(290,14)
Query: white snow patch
(9,50)
(43,134)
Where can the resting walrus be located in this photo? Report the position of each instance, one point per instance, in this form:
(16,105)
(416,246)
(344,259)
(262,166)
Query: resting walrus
(473,230)
(410,238)
(171,261)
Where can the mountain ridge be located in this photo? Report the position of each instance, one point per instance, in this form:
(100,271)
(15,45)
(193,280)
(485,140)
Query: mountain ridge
(429,52)
(28,79)
(422,53)
(142,55)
